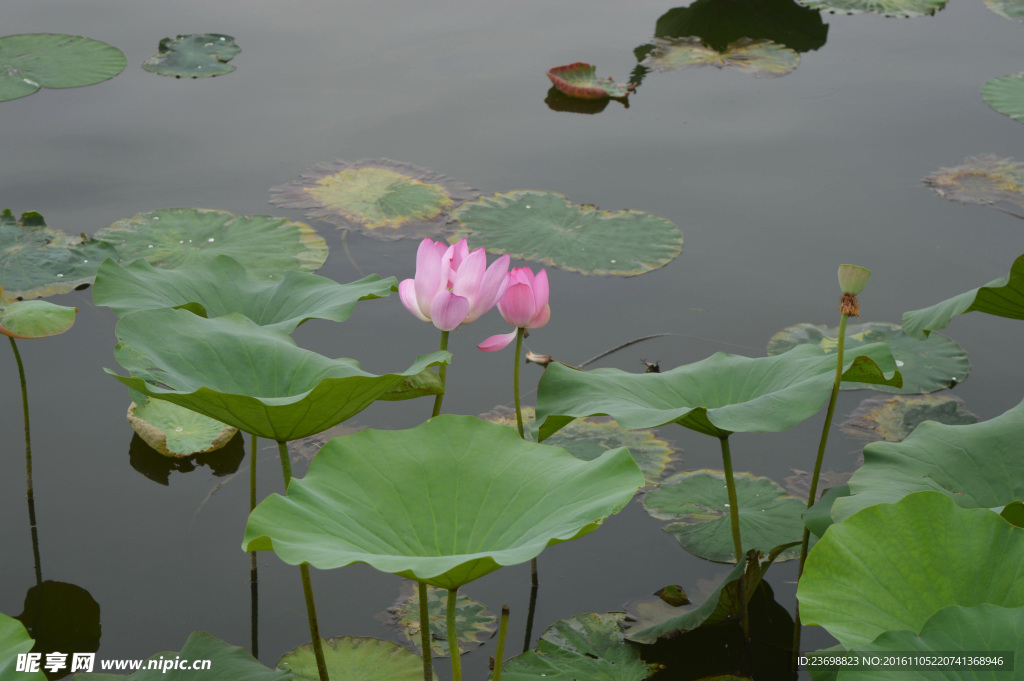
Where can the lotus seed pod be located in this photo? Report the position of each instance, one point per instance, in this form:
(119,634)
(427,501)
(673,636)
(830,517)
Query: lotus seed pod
(853,279)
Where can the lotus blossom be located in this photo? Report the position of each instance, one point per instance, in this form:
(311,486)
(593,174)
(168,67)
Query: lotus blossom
(453,286)
(524,305)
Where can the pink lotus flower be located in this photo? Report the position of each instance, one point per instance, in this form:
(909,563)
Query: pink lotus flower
(453,286)
(524,306)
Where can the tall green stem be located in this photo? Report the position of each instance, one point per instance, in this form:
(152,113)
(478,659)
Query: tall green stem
(253,570)
(441,372)
(24,409)
(734,521)
(453,638)
(515,381)
(499,654)
(428,656)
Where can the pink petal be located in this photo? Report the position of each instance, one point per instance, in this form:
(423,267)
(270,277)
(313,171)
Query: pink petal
(469,274)
(430,274)
(492,288)
(447,310)
(517,306)
(407,292)
(495,343)
(461,251)
(542,317)
(540,289)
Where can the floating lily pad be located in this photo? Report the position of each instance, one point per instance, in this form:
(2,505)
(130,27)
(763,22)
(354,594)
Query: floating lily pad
(578,80)
(892,566)
(545,227)
(1011,9)
(1003,297)
(589,438)
(474,623)
(444,503)
(34,318)
(223,286)
(985,180)
(380,198)
(194,56)
(698,501)
(31,61)
(888,8)
(1006,95)
(760,57)
(14,639)
(348,657)
(177,431)
(894,418)
(267,247)
(925,366)
(589,646)
(781,21)
(799,484)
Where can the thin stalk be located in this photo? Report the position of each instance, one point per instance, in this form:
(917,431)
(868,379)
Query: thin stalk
(499,654)
(28,436)
(734,521)
(441,372)
(254,593)
(453,639)
(515,384)
(817,472)
(532,609)
(428,662)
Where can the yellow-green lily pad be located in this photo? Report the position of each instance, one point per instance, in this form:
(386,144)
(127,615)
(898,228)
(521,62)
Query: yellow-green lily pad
(176,431)
(474,623)
(34,318)
(760,57)
(894,418)
(31,61)
(194,56)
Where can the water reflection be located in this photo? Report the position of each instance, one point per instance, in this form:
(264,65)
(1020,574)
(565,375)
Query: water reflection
(158,467)
(61,617)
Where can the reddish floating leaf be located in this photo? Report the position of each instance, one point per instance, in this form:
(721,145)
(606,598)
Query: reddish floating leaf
(578,80)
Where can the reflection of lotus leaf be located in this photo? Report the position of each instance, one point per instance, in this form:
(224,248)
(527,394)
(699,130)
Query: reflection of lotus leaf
(985,179)
(545,227)
(60,616)
(474,623)
(1006,95)
(14,639)
(177,431)
(381,198)
(889,8)
(894,418)
(699,504)
(578,80)
(51,60)
(760,57)
(34,318)
(349,657)
(719,23)
(194,56)
(1011,9)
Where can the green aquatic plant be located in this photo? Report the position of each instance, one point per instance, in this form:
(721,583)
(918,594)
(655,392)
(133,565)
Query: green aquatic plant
(31,61)
(759,57)
(201,55)
(349,657)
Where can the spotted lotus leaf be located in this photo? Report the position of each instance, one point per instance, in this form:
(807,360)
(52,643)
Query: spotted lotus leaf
(985,180)
(194,56)
(578,80)
(893,418)
(474,623)
(760,57)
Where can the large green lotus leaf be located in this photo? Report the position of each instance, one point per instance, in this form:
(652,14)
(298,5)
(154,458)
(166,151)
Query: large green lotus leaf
(818,518)
(588,439)
(977,466)
(1011,9)
(36,261)
(380,198)
(716,396)
(267,247)
(194,56)
(31,61)
(35,318)
(782,21)
(578,80)
(894,418)
(892,566)
(926,367)
(699,503)
(759,57)
(1006,95)
(545,227)
(1003,297)
(222,286)
(226,663)
(14,639)
(985,180)
(177,431)
(589,646)
(444,503)
(253,378)
(888,8)
(355,659)
(474,623)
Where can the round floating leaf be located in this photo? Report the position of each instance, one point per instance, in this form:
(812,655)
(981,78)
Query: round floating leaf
(1003,297)
(348,657)
(699,502)
(892,566)
(14,639)
(985,179)
(894,418)
(245,375)
(31,61)
(588,439)
(1006,95)
(444,503)
(760,57)
(176,431)
(589,646)
(267,247)
(194,56)
(223,286)
(925,366)
(381,198)
(716,396)
(978,466)
(889,8)
(545,227)
(1011,9)
(474,623)
(578,80)
(35,319)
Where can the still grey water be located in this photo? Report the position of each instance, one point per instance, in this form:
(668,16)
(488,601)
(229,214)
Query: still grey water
(773,181)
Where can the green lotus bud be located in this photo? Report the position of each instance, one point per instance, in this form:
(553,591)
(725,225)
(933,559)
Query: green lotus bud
(853,279)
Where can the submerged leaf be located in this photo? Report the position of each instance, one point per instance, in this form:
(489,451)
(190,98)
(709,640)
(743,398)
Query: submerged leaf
(194,56)
(349,657)
(760,57)
(378,197)
(177,431)
(31,61)
(888,8)
(894,418)
(985,179)
(545,227)
(34,318)
(1006,95)
(474,623)
(578,80)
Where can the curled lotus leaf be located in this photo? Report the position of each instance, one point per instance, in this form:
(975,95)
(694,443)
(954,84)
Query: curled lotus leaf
(474,623)
(381,198)
(760,57)
(34,318)
(1010,9)
(351,657)
(578,80)
(194,56)
(177,431)
(984,179)
(14,640)
(894,418)
(545,227)
(925,366)
(1006,95)
(888,8)
(31,61)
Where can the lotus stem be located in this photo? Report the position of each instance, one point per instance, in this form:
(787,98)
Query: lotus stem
(286,463)
(441,372)
(532,609)
(453,638)
(254,591)
(734,510)
(499,654)
(252,471)
(28,436)
(515,384)
(428,662)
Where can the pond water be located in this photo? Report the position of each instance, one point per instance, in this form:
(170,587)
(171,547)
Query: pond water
(773,182)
